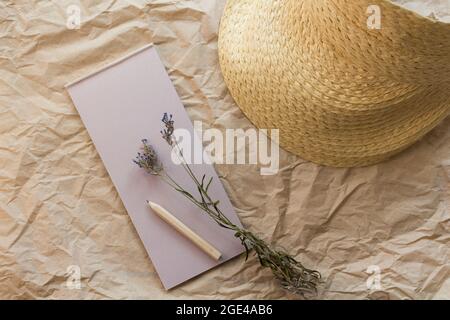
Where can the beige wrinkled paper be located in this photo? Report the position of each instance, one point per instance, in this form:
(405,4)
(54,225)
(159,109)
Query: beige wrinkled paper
(376,232)
(435,9)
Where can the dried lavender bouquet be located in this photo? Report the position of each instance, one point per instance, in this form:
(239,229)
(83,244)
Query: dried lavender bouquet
(292,275)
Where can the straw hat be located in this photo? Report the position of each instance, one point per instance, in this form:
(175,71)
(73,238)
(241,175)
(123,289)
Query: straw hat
(341,94)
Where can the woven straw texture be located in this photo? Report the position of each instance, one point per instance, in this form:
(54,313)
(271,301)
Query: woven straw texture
(341,94)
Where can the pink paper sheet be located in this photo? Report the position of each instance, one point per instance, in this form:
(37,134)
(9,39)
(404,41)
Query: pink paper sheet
(123,104)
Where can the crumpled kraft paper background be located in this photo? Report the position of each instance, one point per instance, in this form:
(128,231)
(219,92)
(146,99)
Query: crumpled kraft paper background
(59,210)
(434,9)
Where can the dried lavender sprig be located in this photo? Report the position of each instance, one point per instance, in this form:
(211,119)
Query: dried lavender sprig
(292,275)
(148,159)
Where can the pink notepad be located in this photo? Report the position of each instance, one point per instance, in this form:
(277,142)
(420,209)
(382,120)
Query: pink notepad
(122,104)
